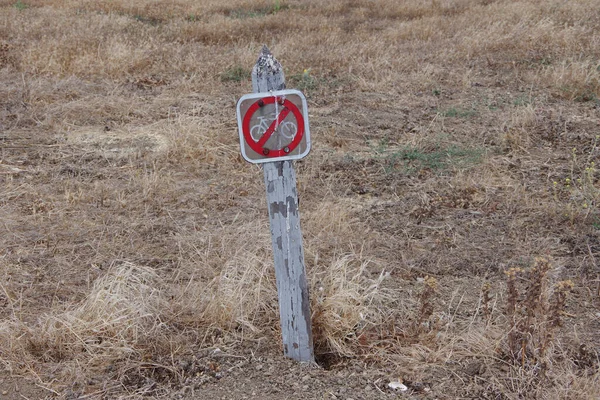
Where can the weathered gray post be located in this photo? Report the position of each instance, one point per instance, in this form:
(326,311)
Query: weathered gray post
(288,253)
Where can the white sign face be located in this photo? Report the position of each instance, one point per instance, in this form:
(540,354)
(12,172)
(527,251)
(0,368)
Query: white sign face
(273,126)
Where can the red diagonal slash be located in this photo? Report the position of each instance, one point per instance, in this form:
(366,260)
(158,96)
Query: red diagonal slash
(272,127)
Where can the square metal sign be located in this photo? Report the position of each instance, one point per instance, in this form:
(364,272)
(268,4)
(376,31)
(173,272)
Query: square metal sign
(273,126)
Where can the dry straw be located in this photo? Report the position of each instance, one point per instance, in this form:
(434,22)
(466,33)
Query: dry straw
(117,136)
(345,302)
(121,314)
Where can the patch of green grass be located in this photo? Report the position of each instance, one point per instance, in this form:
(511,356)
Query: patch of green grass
(489,103)
(304,81)
(147,20)
(277,6)
(235,74)
(273,8)
(19,5)
(522,101)
(412,159)
(307,82)
(588,95)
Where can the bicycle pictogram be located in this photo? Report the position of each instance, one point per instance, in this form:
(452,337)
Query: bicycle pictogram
(287,129)
(273,126)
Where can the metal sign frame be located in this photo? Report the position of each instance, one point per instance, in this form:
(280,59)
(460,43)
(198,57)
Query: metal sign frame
(244,137)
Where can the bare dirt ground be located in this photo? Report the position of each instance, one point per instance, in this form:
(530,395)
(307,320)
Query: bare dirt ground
(449,206)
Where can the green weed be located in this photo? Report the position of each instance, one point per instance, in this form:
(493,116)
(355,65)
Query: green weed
(587,95)
(304,81)
(412,159)
(242,13)
(581,184)
(147,20)
(522,101)
(235,74)
(577,194)
(19,5)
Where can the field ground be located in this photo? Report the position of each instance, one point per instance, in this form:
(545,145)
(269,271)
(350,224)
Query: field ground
(449,206)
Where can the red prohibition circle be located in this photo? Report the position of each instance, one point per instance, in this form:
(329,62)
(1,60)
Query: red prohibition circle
(258,146)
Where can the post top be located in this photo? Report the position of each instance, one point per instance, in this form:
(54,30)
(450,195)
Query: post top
(267,73)
(267,62)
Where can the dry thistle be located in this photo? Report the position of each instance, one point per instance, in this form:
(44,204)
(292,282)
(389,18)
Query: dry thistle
(511,308)
(556,309)
(535,300)
(526,314)
(536,304)
(486,299)
(513,294)
(558,302)
(426,305)
(534,318)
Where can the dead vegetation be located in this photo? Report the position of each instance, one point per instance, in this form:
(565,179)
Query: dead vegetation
(449,206)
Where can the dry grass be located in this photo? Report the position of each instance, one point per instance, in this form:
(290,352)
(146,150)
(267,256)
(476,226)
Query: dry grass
(120,317)
(345,303)
(454,140)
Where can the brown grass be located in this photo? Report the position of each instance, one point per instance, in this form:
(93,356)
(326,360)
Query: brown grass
(454,140)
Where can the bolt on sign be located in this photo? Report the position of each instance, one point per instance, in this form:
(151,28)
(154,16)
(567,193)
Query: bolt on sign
(273,126)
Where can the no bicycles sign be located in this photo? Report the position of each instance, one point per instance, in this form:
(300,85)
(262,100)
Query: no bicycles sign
(273,126)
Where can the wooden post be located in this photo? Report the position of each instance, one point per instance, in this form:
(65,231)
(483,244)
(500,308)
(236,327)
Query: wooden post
(288,253)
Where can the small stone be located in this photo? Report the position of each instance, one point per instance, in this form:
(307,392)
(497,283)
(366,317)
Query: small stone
(4,392)
(396,385)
